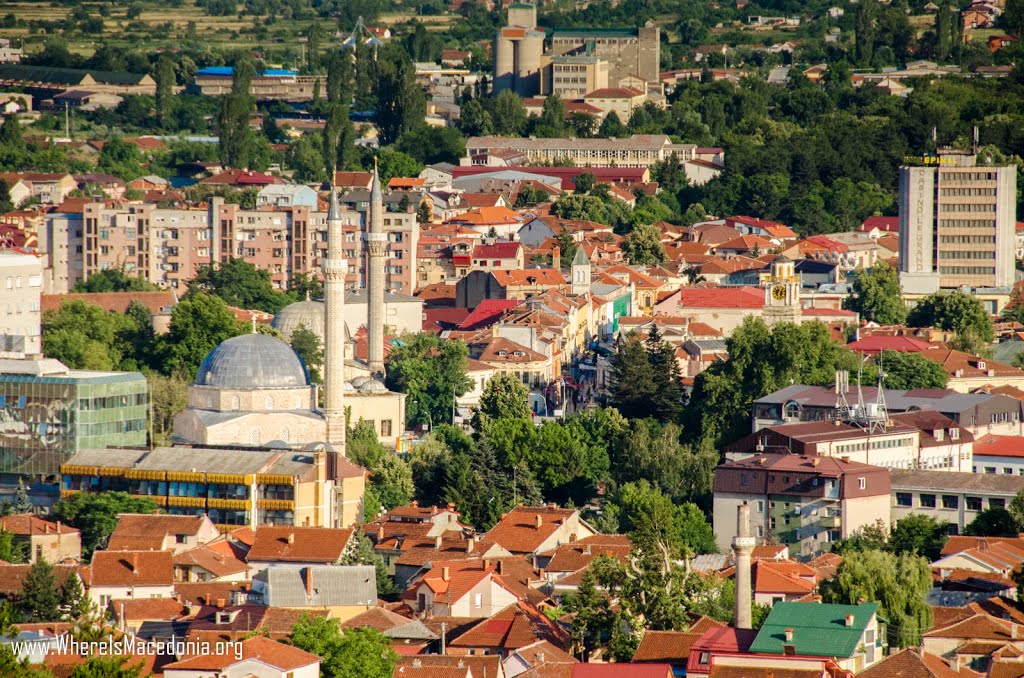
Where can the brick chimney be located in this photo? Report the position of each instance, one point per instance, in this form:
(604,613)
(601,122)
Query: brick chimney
(135,562)
(307,576)
(556,258)
(437,542)
(291,537)
(538,521)
(446,574)
(380,534)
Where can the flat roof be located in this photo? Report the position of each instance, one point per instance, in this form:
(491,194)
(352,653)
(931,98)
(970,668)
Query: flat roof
(198,459)
(951,481)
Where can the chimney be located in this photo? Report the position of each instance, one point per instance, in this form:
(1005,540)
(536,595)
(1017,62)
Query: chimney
(416,664)
(789,635)
(538,521)
(291,537)
(1013,631)
(849,620)
(135,562)
(307,576)
(415,503)
(221,602)
(437,542)
(556,258)
(540,657)
(380,534)
(815,461)
(742,548)
(469,545)
(446,574)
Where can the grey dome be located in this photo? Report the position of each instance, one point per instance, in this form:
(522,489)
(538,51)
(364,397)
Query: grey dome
(373,386)
(252,361)
(359,381)
(347,387)
(308,313)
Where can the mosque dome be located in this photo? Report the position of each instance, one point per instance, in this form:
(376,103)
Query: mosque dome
(359,381)
(347,387)
(309,313)
(252,361)
(373,386)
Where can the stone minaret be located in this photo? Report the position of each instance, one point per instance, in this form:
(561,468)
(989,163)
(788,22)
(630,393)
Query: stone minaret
(376,249)
(334,268)
(742,547)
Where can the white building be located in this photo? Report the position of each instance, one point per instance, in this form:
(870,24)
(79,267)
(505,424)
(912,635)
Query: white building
(21,287)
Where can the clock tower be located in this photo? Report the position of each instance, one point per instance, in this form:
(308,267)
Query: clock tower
(781,292)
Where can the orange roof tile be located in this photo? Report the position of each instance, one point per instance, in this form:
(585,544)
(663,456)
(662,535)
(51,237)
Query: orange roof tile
(299,544)
(138,531)
(25,524)
(132,568)
(485,216)
(514,627)
(264,650)
(518,532)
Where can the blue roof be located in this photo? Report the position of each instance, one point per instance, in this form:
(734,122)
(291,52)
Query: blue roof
(229,70)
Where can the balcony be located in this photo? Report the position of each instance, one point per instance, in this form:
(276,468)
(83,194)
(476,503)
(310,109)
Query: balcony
(831,522)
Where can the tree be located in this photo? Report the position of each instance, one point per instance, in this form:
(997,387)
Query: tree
(656,524)
(12,551)
(505,397)
(1012,18)
(953,312)
(74,604)
(95,514)
(642,246)
(356,653)
(508,114)
(918,534)
(612,127)
(168,395)
(475,120)
(401,102)
(993,522)
(309,348)
(165,81)
(585,182)
(667,399)
(199,323)
(108,667)
(1016,508)
(905,371)
(432,372)
(392,163)
(876,295)
(429,144)
(113,280)
(40,597)
(632,378)
(84,336)
(239,283)
(11,135)
(900,584)
(338,139)
(313,47)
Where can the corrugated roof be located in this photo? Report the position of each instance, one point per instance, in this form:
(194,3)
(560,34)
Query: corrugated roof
(319,585)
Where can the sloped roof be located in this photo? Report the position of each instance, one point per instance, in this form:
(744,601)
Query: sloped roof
(514,627)
(132,568)
(148,531)
(264,650)
(721,297)
(26,524)
(319,585)
(299,544)
(517,530)
(819,629)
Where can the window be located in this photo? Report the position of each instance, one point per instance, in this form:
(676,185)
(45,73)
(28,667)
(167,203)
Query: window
(950,501)
(927,501)
(760,506)
(862,483)
(180,538)
(997,503)
(478,600)
(990,469)
(904,499)
(1007,470)
(705,657)
(973,503)
(385,428)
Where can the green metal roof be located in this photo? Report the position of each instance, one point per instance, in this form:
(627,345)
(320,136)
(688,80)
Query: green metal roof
(819,629)
(595,32)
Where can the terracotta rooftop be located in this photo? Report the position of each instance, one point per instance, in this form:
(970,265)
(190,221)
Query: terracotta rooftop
(132,568)
(264,650)
(146,532)
(25,524)
(514,627)
(518,532)
(579,554)
(721,297)
(299,544)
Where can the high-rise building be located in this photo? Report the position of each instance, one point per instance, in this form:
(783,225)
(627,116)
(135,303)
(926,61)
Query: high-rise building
(957,224)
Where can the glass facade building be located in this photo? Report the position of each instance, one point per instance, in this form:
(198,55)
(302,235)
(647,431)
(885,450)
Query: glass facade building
(47,418)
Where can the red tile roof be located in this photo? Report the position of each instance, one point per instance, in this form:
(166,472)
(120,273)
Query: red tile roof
(886,224)
(117,302)
(485,216)
(137,531)
(514,627)
(517,530)
(529,276)
(487,313)
(621,670)
(132,568)
(721,297)
(579,554)
(786,577)
(264,650)
(999,446)
(299,544)
(25,524)
(498,250)
(353,179)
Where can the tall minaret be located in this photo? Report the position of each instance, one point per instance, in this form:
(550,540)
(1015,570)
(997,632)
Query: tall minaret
(742,548)
(334,268)
(376,246)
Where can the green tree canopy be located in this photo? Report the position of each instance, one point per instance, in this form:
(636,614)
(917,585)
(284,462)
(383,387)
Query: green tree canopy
(432,372)
(199,323)
(354,653)
(900,584)
(904,371)
(239,283)
(40,596)
(642,246)
(993,522)
(918,534)
(113,280)
(956,312)
(876,295)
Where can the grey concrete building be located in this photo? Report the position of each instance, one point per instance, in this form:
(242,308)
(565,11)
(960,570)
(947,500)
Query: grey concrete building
(957,224)
(956,498)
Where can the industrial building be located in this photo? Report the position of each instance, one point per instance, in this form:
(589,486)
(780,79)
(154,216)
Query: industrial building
(578,61)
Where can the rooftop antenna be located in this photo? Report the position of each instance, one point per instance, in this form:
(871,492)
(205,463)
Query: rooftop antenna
(842,387)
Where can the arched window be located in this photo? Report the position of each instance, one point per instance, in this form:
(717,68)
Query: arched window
(270,402)
(236,403)
(255,437)
(285,434)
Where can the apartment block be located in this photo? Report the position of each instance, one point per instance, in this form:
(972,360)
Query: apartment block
(639,150)
(21,284)
(805,502)
(168,245)
(957,224)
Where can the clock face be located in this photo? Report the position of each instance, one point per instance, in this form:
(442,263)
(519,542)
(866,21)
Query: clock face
(779,293)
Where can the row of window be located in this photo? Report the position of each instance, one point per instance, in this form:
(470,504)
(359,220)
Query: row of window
(949,501)
(967,239)
(964,192)
(18,281)
(968,176)
(988,255)
(974,222)
(874,445)
(967,270)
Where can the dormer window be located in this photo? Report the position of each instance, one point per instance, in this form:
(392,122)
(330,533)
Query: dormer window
(940,434)
(954,434)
